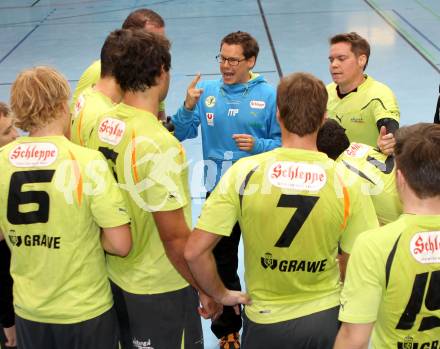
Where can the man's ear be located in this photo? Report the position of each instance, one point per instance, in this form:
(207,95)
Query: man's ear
(400,180)
(362,61)
(251,62)
(324,119)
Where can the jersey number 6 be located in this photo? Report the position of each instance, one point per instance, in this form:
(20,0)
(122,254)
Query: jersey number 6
(17,197)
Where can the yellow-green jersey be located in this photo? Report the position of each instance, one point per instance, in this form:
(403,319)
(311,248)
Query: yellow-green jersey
(88,108)
(293,210)
(88,79)
(150,166)
(54,197)
(393,281)
(379,178)
(359,111)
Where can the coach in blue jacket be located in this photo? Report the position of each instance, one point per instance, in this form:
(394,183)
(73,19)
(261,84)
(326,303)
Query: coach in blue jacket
(237,114)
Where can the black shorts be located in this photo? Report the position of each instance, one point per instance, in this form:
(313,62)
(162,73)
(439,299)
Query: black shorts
(314,331)
(160,321)
(99,332)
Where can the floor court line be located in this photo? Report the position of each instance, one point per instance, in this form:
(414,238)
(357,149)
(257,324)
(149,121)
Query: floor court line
(405,36)
(427,8)
(416,30)
(269,37)
(25,37)
(114,10)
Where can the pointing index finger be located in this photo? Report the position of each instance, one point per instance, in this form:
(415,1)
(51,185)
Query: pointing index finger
(195,81)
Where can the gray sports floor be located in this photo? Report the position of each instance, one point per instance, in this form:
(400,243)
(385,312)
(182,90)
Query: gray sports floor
(293,36)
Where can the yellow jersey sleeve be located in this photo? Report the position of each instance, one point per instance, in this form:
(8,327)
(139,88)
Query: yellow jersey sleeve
(362,293)
(221,209)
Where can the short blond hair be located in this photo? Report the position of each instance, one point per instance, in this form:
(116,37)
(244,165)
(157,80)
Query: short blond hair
(37,97)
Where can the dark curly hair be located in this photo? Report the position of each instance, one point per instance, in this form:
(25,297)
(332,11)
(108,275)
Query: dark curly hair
(142,60)
(332,139)
(112,49)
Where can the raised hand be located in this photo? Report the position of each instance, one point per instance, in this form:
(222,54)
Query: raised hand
(386,142)
(193,93)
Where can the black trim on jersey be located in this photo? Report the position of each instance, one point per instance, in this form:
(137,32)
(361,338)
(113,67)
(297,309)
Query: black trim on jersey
(244,185)
(384,167)
(342,95)
(391,125)
(437,110)
(374,99)
(390,261)
(358,172)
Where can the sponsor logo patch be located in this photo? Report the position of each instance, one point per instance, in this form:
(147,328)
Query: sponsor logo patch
(111,130)
(291,266)
(210,119)
(79,105)
(42,240)
(425,247)
(141,344)
(33,154)
(357,120)
(233,112)
(297,176)
(268,262)
(15,239)
(257,104)
(356,150)
(210,101)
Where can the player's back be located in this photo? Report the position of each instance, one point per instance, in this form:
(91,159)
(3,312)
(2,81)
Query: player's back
(293,211)
(54,196)
(88,108)
(150,166)
(409,315)
(379,178)
(88,78)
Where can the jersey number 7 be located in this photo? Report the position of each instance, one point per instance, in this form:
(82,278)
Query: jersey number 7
(304,205)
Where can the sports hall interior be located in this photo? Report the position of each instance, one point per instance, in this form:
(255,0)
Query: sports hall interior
(293,36)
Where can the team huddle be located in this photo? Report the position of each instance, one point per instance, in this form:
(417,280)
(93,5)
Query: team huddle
(338,207)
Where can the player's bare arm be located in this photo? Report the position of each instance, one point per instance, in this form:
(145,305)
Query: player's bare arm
(353,336)
(117,240)
(198,253)
(174,233)
(343,260)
